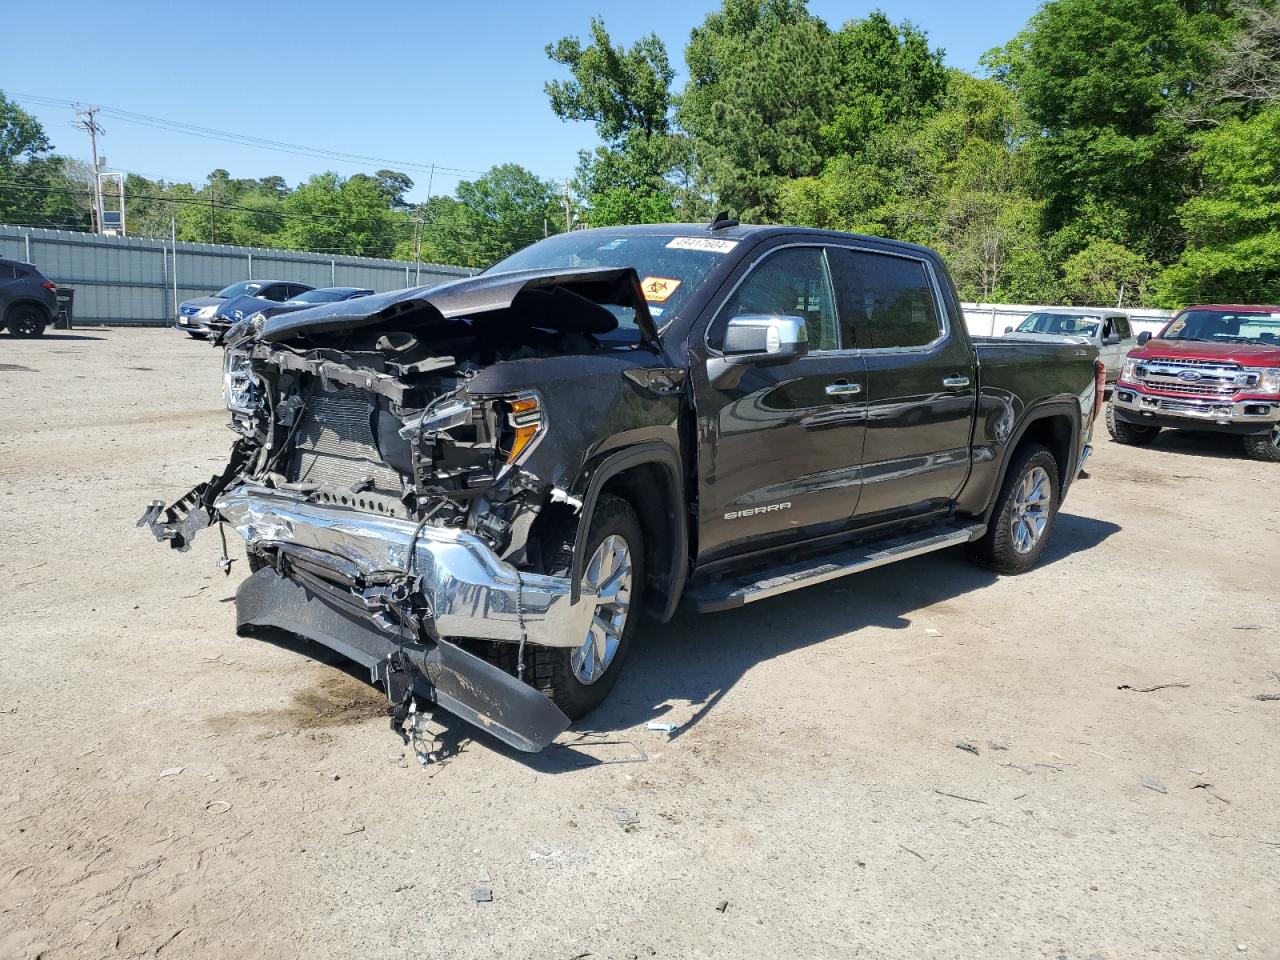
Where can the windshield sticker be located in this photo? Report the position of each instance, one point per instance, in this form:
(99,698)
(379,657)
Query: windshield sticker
(658,289)
(705,244)
(613,244)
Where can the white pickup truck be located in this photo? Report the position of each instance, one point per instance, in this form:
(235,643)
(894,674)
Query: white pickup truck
(1108,330)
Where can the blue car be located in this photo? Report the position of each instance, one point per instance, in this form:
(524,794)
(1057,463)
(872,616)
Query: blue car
(234,310)
(199,315)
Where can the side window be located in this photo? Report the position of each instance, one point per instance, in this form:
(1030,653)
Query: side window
(791,282)
(276,292)
(295,289)
(885,301)
(1122,327)
(7,272)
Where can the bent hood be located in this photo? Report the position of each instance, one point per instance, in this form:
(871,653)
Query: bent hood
(1246,354)
(473,295)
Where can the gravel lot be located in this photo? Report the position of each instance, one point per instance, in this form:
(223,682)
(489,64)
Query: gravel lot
(167,788)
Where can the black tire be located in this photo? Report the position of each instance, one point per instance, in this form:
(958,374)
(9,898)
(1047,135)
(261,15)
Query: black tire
(1264,446)
(25,321)
(551,669)
(1129,434)
(998,549)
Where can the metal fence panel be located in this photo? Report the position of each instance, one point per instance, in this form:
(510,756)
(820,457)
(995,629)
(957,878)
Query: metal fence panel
(130,280)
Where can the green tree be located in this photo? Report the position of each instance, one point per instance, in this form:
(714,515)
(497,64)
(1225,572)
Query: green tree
(888,75)
(626,93)
(336,215)
(763,78)
(1233,224)
(1104,273)
(37,187)
(1099,80)
(491,217)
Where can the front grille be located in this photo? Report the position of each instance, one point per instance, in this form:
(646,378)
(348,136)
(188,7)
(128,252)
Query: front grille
(1209,378)
(334,445)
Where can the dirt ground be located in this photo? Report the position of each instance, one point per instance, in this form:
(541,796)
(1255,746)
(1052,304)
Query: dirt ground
(167,788)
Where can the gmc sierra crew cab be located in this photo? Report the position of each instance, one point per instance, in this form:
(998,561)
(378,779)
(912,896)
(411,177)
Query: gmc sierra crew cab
(477,489)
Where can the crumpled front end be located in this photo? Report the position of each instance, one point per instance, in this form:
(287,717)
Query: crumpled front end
(394,481)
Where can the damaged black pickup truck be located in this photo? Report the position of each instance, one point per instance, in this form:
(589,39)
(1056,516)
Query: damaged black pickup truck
(476,489)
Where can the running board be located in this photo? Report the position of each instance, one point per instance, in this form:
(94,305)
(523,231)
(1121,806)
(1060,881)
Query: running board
(729,593)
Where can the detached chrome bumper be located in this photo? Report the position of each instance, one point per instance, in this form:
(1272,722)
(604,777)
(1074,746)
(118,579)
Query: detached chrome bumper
(468,590)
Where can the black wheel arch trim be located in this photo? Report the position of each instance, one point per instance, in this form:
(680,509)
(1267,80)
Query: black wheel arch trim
(28,302)
(1041,411)
(598,473)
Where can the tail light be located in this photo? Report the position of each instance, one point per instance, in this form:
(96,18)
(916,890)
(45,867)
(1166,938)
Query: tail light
(1100,386)
(49,285)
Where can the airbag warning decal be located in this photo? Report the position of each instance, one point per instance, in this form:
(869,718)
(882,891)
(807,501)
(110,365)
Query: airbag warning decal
(658,289)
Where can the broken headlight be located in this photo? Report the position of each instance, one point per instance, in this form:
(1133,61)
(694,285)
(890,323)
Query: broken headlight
(239,383)
(525,421)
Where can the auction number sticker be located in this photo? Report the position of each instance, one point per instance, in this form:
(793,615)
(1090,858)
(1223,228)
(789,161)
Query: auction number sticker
(705,244)
(658,289)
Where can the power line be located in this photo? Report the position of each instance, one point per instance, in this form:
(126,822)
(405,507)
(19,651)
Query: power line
(279,146)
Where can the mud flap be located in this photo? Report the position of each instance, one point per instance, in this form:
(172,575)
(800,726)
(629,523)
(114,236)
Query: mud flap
(465,685)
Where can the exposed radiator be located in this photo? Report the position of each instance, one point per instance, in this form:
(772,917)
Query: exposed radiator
(334,444)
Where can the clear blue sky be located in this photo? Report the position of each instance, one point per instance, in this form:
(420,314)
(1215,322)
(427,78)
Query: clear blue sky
(457,84)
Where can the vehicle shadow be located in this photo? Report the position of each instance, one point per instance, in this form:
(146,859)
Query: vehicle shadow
(68,336)
(1219,446)
(697,659)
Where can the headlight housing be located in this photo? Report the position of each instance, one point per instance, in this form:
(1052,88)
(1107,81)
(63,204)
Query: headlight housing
(1130,370)
(206,313)
(1260,379)
(239,383)
(525,421)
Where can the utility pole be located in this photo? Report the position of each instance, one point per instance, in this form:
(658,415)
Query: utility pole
(88,122)
(213,211)
(568,224)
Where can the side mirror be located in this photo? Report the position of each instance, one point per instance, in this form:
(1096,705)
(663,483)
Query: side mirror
(1111,340)
(1143,337)
(1008,329)
(757,340)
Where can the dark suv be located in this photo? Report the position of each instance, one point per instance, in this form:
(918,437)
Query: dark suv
(27,300)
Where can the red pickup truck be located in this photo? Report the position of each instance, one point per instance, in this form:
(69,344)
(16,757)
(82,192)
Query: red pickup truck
(1214,367)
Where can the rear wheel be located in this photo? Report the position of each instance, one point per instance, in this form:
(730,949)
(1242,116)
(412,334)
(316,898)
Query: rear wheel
(1128,433)
(578,679)
(26,321)
(1264,446)
(1024,513)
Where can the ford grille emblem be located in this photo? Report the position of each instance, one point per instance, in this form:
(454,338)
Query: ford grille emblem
(1191,375)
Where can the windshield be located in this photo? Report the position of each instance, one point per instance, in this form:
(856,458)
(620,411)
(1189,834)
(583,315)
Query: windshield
(244,288)
(670,265)
(1075,324)
(322,296)
(1226,326)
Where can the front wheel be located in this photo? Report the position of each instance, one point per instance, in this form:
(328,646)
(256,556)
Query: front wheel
(577,679)
(1264,446)
(1129,434)
(26,322)
(1024,513)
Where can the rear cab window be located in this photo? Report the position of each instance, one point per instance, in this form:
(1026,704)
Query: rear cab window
(886,301)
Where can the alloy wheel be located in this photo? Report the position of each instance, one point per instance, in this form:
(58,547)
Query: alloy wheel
(608,576)
(1031,503)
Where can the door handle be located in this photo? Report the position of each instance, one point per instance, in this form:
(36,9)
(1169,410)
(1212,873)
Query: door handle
(842,388)
(955,382)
